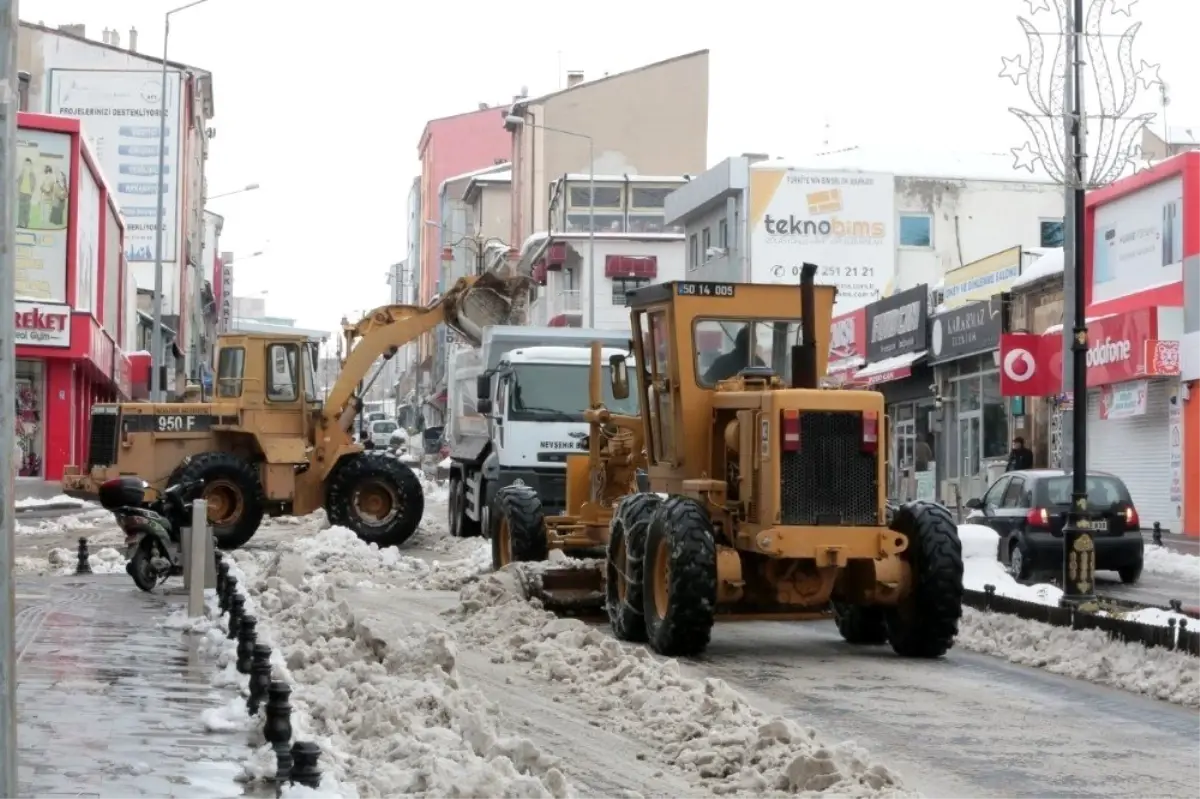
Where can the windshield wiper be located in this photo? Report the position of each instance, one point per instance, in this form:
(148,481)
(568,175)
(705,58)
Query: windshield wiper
(557,414)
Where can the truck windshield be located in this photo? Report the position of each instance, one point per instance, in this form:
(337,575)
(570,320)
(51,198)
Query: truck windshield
(558,393)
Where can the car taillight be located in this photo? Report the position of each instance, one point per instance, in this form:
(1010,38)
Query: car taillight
(870,431)
(1131,517)
(1038,517)
(791,431)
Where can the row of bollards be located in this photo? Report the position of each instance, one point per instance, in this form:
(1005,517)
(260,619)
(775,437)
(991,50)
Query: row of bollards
(294,762)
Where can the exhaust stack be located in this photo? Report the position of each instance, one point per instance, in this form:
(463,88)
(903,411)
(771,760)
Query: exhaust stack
(804,354)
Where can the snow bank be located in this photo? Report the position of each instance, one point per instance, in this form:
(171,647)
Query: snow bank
(1169,563)
(59,499)
(701,726)
(62,562)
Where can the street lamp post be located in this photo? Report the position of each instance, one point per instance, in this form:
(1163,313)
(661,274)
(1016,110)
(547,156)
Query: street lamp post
(520,121)
(1056,87)
(156,347)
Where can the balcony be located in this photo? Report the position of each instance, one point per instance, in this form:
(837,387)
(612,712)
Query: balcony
(561,309)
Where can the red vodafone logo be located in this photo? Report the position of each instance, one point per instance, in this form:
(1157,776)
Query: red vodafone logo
(1019,365)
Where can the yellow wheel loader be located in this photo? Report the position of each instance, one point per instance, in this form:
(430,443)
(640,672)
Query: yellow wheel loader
(765,494)
(268,444)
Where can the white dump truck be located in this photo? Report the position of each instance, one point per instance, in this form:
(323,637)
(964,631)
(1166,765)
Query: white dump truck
(515,409)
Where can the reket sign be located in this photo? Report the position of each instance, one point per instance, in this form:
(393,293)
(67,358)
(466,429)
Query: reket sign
(41,324)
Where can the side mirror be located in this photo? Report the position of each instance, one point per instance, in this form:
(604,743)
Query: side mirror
(483,405)
(618,374)
(975,503)
(483,388)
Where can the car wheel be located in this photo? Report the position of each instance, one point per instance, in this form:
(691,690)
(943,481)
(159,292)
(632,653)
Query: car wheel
(1018,566)
(1131,574)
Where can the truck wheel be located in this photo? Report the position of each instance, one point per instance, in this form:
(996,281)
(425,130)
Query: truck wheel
(461,525)
(379,498)
(518,528)
(623,566)
(860,625)
(680,578)
(925,623)
(233,492)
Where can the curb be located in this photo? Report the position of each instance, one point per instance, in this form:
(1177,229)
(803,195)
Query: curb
(51,506)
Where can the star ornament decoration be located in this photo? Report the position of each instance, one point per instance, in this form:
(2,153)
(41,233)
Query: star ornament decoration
(1122,6)
(1024,157)
(1044,5)
(1148,74)
(1013,69)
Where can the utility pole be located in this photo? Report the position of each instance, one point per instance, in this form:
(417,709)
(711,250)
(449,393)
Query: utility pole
(1067,409)
(9,106)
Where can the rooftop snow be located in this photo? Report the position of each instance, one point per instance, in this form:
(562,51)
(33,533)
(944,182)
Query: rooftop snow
(915,164)
(1050,263)
(577,176)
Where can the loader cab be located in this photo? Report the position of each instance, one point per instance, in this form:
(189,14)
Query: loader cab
(271,375)
(694,342)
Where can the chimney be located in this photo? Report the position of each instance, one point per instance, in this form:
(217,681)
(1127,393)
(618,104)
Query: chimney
(104,36)
(114,38)
(483,106)
(574,78)
(133,40)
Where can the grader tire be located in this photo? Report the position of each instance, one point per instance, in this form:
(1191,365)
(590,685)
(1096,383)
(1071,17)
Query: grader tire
(518,527)
(680,578)
(925,623)
(377,497)
(233,491)
(626,556)
(861,626)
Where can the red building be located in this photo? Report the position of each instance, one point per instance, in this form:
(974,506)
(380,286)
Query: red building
(71,286)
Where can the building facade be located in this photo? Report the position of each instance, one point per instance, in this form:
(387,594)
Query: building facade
(115,92)
(72,294)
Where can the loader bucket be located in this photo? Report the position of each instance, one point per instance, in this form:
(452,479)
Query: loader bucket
(565,590)
(488,300)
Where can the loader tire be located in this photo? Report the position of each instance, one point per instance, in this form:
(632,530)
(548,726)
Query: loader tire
(680,578)
(623,565)
(864,626)
(518,527)
(925,624)
(233,491)
(377,497)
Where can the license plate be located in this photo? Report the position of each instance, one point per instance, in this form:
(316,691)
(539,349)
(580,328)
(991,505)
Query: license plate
(1100,525)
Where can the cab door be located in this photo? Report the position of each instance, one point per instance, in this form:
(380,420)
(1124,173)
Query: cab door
(661,404)
(284,401)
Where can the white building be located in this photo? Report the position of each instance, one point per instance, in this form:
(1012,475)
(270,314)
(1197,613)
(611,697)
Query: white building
(875,224)
(583,276)
(116,92)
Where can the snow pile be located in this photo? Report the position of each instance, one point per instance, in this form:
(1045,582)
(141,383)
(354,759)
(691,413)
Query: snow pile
(702,727)
(62,562)
(1168,563)
(391,717)
(31,503)
(83,521)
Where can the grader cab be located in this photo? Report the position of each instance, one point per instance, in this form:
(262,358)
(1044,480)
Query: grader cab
(765,496)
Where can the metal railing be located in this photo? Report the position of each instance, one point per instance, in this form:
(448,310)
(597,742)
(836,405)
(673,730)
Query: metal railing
(569,301)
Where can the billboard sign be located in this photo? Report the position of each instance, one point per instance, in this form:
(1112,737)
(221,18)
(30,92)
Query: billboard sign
(43,178)
(897,325)
(981,279)
(967,330)
(842,221)
(226,312)
(1138,241)
(120,115)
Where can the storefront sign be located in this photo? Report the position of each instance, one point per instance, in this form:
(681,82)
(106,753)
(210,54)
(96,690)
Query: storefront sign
(843,221)
(967,330)
(43,324)
(226,313)
(101,350)
(1025,366)
(897,325)
(981,279)
(1137,241)
(1123,401)
(1162,358)
(846,340)
(1175,444)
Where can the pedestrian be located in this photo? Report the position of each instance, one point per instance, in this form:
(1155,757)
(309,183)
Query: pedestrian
(1020,457)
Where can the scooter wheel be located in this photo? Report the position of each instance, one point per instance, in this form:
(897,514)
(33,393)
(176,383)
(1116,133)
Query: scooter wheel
(141,566)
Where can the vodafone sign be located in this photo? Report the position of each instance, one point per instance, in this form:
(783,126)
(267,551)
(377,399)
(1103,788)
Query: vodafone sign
(42,324)
(1025,366)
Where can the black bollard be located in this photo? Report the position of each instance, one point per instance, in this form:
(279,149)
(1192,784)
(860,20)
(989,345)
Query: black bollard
(237,605)
(82,565)
(1181,641)
(231,584)
(222,576)
(260,678)
(283,763)
(1157,535)
(247,637)
(305,768)
(278,726)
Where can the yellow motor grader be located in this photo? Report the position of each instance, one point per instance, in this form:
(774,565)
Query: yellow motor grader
(764,495)
(269,444)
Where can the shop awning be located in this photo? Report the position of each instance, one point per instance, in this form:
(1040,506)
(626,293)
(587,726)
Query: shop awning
(838,373)
(889,369)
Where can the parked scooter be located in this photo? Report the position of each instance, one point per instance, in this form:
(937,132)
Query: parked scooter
(153,529)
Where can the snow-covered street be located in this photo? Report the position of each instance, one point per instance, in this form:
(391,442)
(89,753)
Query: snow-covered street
(414,686)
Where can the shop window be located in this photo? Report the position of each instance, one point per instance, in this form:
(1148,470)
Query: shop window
(281,373)
(231,366)
(606,197)
(706,242)
(643,197)
(648,223)
(30,432)
(693,252)
(723,234)
(1051,233)
(605,223)
(995,418)
(916,230)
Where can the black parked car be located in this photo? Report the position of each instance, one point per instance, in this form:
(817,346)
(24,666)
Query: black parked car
(1028,509)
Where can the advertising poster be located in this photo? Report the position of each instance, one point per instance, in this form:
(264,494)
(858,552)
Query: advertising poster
(87,243)
(120,115)
(1175,445)
(844,222)
(1138,241)
(43,194)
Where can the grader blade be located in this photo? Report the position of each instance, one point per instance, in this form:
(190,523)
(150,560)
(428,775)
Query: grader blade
(567,591)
